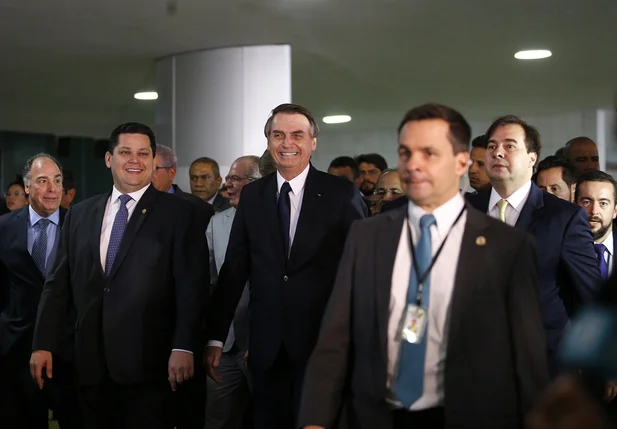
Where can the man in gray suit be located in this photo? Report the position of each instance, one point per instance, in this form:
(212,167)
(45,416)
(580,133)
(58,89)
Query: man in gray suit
(229,395)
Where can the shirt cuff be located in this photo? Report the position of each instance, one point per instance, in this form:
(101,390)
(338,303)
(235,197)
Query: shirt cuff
(182,350)
(215,344)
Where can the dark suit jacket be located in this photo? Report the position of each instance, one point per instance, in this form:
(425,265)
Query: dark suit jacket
(393,205)
(204,210)
(287,296)
(568,268)
(151,303)
(220,203)
(3,208)
(21,284)
(495,365)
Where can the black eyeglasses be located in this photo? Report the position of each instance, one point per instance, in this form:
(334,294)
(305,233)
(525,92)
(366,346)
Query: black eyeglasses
(236,179)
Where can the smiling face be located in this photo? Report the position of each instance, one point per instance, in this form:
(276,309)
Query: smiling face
(45,187)
(131,162)
(291,143)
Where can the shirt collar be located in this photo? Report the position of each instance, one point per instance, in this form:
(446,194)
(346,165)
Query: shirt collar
(445,214)
(171,190)
(115,194)
(35,217)
(609,243)
(297,183)
(516,200)
(211,200)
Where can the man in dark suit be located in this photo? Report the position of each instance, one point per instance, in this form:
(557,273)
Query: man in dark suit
(131,264)
(568,269)
(205,177)
(286,240)
(28,242)
(437,323)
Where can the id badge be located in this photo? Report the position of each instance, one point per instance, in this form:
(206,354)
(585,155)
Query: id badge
(414,324)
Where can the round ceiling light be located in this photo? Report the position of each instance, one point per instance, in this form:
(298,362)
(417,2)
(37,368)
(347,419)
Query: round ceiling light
(535,54)
(337,119)
(146,95)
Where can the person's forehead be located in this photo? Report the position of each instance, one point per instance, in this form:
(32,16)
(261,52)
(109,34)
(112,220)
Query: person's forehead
(205,167)
(290,122)
(367,166)
(596,189)
(44,166)
(507,131)
(477,152)
(552,174)
(134,140)
(586,147)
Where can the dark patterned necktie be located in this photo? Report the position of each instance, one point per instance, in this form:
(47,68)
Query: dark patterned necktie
(39,248)
(117,231)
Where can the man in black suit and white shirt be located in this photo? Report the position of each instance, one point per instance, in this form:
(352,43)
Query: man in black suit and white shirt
(133,265)
(286,240)
(445,334)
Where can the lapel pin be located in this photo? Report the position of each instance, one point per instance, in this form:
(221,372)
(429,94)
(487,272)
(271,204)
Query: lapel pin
(144,211)
(319,195)
(480,241)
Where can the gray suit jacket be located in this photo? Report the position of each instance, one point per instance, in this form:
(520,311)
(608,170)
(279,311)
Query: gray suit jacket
(217,234)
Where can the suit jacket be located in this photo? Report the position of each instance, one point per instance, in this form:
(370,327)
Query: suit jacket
(220,203)
(21,285)
(3,207)
(495,365)
(288,295)
(204,210)
(218,233)
(568,268)
(128,323)
(393,205)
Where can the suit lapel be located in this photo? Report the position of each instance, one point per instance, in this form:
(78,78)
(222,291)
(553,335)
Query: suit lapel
(22,240)
(312,207)
(532,209)
(96,225)
(139,215)
(386,246)
(466,278)
(270,198)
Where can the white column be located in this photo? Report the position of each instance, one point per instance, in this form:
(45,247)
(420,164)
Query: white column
(215,103)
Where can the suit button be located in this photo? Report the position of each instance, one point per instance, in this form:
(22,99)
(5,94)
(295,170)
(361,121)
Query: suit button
(285,278)
(106,289)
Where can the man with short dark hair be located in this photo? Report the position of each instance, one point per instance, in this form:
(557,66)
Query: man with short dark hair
(68,189)
(205,177)
(569,272)
(131,265)
(596,193)
(370,167)
(478,179)
(583,154)
(555,175)
(287,237)
(437,323)
(345,167)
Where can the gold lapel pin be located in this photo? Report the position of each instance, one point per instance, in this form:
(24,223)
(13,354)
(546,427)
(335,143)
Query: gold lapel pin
(144,211)
(480,241)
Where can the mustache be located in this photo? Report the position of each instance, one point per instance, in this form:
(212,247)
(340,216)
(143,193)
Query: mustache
(594,219)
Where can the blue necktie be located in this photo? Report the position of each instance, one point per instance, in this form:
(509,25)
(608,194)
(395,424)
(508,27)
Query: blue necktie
(410,378)
(117,231)
(284,210)
(39,247)
(600,249)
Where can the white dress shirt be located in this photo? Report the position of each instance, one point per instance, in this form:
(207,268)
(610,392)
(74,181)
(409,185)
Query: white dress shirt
(111,210)
(516,201)
(295,198)
(441,287)
(609,243)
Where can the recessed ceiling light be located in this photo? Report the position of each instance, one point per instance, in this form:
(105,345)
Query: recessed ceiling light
(337,119)
(146,95)
(534,54)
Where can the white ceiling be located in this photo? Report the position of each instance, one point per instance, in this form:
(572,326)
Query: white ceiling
(72,66)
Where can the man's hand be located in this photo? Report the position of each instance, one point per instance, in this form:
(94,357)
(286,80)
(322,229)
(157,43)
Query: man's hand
(213,360)
(40,359)
(180,368)
(611,391)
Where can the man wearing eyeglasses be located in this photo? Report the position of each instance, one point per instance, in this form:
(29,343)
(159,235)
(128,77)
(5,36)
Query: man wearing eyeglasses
(229,394)
(190,399)
(387,189)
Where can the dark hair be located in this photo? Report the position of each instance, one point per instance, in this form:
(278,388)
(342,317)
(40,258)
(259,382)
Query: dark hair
(216,170)
(560,152)
(480,142)
(567,169)
(372,158)
(266,164)
(131,128)
(68,180)
(291,109)
(533,142)
(19,181)
(460,131)
(345,161)
(596,176)
(28,166)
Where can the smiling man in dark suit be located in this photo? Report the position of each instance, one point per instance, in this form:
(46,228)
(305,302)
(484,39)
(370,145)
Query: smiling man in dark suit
(568,269)
(415,335)
(28,242)
(131,264)
(286,240)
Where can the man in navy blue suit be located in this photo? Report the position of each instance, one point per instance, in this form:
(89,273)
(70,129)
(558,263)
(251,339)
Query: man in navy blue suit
(568,269)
